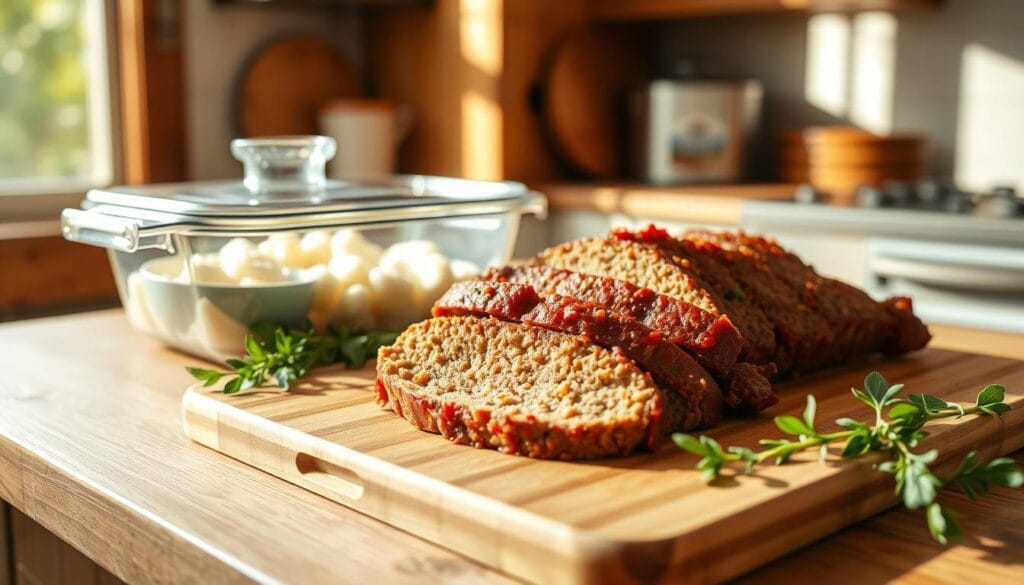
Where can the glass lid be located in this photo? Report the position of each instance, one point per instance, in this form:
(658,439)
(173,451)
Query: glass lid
(284,188)
(285,176)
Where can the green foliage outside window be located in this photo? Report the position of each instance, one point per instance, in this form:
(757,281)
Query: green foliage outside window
(44,114)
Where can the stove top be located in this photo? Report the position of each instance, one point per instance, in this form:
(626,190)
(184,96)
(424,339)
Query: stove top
(930,195)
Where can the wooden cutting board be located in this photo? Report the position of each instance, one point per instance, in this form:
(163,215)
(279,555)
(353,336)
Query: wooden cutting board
(645,518)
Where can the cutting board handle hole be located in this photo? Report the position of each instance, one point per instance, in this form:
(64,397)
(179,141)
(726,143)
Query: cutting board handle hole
(328,476)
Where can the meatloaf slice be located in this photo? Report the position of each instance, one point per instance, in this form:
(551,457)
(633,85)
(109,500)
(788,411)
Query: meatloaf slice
(858,324)
(711,339)
(651,259)
(520,389)
(670,366)
(799,330)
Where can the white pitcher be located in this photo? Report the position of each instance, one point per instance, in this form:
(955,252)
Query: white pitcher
(368,132)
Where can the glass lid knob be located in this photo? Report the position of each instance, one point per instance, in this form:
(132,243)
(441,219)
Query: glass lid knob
(284,164)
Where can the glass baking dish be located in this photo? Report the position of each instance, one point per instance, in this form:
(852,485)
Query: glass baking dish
(197,264)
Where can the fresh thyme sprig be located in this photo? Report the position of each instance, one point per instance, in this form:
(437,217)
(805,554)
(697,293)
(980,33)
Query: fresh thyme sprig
(284,355)
(894,432)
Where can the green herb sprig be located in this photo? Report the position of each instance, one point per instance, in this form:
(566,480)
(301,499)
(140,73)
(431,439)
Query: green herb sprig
(895,432)
(284,355)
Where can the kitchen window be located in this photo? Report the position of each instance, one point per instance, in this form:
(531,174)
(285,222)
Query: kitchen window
(56,104)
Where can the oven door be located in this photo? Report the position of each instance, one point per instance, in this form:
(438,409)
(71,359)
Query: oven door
(958,284)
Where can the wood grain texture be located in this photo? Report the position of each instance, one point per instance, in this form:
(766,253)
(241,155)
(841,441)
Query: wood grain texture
(52,272)
(999,343)
(654,9)
(6,569)
(895,548)
(468,69)
(42,558)
(151,71)
(637,519)
(91,448)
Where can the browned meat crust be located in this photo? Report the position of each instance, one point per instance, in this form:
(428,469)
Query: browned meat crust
(670,366)
(799,330)
(858,325)
(651,259)
(788,316)
(711,339)
(748,388)
(910,333)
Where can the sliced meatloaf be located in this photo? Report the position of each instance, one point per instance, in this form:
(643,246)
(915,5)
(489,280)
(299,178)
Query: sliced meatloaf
(670,366)
(651,259)
(858,325)
(522,390)
(744,386)
(910,334)
(799,330)
(747,387)
(711,339)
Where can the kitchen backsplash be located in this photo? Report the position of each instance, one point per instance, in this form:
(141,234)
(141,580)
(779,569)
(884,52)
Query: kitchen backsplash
(955,74)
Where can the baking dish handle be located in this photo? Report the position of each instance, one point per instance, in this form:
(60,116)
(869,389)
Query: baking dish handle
(110,231)
(536,203)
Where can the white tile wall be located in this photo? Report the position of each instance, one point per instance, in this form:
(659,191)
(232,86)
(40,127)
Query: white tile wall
(932,48)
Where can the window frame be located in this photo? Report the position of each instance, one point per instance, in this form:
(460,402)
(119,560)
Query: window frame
(145,79)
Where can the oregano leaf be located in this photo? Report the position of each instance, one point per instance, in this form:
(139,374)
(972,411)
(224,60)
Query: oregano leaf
(809,411)
(991,394)
(791,425)
(876,387)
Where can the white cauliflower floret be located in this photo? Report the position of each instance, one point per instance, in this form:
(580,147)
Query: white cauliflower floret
(349,242)
(283,249)
(315,248)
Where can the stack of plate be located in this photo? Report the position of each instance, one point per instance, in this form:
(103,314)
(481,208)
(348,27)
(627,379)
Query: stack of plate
(839,159)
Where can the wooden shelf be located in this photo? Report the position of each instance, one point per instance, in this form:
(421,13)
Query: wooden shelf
(719,204)
(656,9)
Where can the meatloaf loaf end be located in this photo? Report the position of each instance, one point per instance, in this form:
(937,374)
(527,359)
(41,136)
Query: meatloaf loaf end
(669,365)
(909,334)
(858,324)
(711,339)
(520,389)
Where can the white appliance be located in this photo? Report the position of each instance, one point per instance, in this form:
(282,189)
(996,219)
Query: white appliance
(959,255)
(693,131)
(970,285)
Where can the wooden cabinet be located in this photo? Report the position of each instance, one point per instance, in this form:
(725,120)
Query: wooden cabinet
(467,69)
(473,72)
(6,569)
(53,275)
(32,555)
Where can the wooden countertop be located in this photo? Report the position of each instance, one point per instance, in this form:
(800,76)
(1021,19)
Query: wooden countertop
(718,204)
(91,448)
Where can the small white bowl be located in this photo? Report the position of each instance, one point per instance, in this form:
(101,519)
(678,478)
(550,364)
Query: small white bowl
(212,318)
